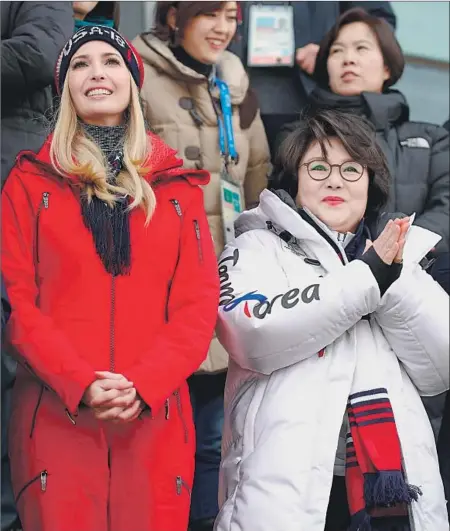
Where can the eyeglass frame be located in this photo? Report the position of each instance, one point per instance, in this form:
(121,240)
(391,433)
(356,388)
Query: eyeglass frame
(364,167)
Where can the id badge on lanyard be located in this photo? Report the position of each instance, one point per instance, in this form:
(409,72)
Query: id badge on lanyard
(271,40)
(230,192)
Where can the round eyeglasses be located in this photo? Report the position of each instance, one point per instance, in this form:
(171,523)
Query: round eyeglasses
(319,170)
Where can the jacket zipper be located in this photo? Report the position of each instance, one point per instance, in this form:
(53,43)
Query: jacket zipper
(42,476)
(182,484)
(180,413)
(112,363)
(179,212)
(43,204)
(36,409)
(199,240)
(167,413)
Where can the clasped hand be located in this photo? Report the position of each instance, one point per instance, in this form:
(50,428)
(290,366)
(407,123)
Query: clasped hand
(390,243)
(113,397)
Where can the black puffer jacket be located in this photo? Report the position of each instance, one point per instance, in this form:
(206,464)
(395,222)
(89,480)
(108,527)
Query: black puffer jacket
(33,34)
(417,154)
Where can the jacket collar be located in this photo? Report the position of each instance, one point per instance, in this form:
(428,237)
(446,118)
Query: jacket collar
(275,212)
(159,55)
(383,110)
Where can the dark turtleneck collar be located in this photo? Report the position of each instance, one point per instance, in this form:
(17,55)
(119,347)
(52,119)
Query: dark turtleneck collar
(383,110)
(201,68)
(109,138)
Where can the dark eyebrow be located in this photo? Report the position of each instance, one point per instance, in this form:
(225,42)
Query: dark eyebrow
(107,54)
(365,41)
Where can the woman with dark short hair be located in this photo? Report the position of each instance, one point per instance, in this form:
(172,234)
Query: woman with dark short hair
(334,331)
(358,62)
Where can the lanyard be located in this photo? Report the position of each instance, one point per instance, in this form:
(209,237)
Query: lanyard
(225,123)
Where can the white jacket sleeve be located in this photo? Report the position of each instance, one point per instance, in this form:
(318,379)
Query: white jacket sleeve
(268,321)
(414,317)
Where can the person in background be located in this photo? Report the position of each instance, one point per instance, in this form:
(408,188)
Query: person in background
(282,91)
(101,13)
(111,271)
(32,33)
(358,62)
(326,312)
(187,70)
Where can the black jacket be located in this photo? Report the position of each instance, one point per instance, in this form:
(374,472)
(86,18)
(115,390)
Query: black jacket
(33,34)
(417,155)
(282,90)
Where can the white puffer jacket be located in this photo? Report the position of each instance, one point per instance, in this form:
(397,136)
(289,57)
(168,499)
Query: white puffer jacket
(284,403)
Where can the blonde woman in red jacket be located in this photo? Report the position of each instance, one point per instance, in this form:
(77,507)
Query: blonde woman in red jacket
(111,272)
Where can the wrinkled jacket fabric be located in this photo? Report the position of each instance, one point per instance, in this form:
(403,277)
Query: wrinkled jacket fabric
(417,154)
(168,86)
(71,318)
(284,402)
(33,34)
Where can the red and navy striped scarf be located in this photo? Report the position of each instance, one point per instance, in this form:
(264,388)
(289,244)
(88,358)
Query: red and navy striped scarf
(375,480)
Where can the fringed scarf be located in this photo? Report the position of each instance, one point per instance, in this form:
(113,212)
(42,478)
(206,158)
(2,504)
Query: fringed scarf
(109,225)
(376,485)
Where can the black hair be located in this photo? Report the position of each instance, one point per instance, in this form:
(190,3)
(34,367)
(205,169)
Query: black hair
(358,138)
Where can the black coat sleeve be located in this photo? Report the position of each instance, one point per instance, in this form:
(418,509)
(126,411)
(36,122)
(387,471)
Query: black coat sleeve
(378,9)
(29,54)
(447,125)
(435,215)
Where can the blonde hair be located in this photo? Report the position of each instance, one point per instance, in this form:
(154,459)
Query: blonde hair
(74,153)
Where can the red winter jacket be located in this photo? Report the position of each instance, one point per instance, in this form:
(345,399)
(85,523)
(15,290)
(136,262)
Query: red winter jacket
(71,318)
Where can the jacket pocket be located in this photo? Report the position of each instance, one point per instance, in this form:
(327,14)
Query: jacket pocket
(181,415)
(182,485)
(198,237)
(36,409)
(42,477)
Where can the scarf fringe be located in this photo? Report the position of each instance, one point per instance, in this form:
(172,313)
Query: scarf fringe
(360,521)
(387,488)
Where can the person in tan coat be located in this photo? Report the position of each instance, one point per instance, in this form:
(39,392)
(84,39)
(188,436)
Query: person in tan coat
(182,55)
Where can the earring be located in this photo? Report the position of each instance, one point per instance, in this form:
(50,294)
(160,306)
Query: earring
(174,37)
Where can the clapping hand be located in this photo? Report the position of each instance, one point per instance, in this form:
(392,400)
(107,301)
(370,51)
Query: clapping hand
(390,243)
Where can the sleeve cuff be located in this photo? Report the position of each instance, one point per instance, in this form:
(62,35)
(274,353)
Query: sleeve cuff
(384,274)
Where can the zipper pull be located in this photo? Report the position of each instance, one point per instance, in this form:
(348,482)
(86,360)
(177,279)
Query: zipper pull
(179,485)
(176,204)
(44,475)
(197,229)
(45,197)
(167,409)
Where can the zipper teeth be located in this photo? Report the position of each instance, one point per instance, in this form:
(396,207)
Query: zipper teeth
(166,309)
(43,204)
(177,207)
(112,328)
(167,409)
(33,421)
(180,412)
(42,474)
(199,240)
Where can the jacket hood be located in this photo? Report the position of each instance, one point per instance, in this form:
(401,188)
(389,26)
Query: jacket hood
(157,54)
(163,163)
(278,213)
(383,110)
